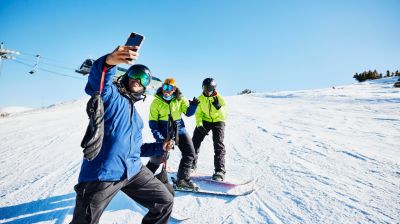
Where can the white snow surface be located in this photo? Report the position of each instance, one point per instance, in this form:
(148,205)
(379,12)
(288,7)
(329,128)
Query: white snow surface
(318,156)
(14,109)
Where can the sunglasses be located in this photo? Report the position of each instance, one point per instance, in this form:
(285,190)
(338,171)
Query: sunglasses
(140,75)
(167,87)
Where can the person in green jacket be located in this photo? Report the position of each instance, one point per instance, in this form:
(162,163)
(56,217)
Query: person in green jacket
(165,123)
(211,115)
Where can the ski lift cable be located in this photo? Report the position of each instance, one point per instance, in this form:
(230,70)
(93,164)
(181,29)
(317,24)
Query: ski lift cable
(61,74)
(47,63)
(35,55)
(21,62)
(1,66)
(45,58)
(49,71)
(57,66)
(35,66)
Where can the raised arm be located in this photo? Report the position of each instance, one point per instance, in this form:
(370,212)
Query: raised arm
(122,54)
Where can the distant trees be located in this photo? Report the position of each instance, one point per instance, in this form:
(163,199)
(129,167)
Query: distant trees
(370,75)
(247,91)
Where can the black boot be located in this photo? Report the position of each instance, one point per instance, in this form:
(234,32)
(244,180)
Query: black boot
(219,176)
(186,183)
(152,167)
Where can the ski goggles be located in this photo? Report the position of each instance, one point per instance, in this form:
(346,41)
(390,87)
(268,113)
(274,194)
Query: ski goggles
(140,75)
(209,89)
(168,88)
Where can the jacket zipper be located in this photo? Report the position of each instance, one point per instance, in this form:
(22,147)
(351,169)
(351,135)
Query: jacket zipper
(209,111)
(131,122)
(169,116)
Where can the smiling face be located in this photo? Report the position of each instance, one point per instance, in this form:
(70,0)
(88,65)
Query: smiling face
(167,93)
(134,85)
(168,90)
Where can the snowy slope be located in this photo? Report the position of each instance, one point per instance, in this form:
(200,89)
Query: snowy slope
(318,156)
(6,111)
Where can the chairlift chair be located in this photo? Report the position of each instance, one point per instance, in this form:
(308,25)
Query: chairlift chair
(35,67)
(85,67)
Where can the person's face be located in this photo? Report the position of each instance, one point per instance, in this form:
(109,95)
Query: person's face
(167,93)
(208,91)
(134,85)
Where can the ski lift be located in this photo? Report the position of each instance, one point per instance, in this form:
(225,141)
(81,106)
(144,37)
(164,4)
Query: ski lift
(85,67)
(35,67)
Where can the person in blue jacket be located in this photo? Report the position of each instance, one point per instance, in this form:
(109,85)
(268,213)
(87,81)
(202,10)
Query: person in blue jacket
(118,165)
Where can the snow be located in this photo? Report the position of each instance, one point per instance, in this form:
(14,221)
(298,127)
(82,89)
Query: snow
(5,111)
(318,156)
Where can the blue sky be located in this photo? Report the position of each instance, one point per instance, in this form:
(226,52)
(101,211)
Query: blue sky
(261,45)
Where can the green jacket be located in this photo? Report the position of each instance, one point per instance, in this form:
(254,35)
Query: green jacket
(159,109)
(159,113)
(207,112)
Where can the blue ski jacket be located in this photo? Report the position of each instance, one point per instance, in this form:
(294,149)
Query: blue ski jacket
(119,157)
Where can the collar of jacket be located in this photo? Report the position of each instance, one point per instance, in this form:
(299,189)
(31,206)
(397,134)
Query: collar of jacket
(160,97)
(214,94)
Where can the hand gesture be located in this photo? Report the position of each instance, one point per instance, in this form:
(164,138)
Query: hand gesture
(168,145)
(195,101)
(123,54)
(216,103)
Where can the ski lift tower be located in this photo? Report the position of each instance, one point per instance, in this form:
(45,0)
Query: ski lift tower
(6,54)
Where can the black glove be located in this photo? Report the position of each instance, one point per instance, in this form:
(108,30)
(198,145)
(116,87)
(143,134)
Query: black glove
(195,101)
(216,103)
(202,130)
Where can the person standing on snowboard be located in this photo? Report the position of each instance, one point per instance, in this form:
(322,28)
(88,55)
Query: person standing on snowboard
(118,165)
(211,115)
(165,120)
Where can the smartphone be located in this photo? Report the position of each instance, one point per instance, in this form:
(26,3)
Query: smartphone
(135,39)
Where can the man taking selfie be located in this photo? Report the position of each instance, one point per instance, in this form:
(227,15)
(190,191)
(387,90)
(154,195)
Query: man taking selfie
(118,165)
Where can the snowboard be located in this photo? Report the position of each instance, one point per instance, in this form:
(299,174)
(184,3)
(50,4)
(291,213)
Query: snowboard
(227,182)
(208,186)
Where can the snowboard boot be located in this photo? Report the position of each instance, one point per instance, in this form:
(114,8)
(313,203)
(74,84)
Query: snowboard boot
(186,184)
(218,176)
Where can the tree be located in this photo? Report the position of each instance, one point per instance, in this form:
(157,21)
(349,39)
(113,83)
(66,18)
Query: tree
(366,75)
(246,91)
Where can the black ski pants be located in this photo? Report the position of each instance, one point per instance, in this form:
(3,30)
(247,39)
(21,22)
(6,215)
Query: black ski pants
(218,130)
(185,145)
(93,197)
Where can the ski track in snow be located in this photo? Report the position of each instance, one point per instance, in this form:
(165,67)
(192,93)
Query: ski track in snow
(318,156)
